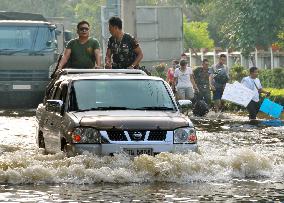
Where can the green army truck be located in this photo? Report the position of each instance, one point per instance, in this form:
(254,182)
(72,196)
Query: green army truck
(28,53)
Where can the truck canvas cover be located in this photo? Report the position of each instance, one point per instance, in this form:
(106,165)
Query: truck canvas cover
(21,16)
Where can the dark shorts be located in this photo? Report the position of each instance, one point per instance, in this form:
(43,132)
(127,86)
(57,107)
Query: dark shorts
(253,108)
(217,94)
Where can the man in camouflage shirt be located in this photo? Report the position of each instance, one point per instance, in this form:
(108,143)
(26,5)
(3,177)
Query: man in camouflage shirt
(201,76)
(123,51)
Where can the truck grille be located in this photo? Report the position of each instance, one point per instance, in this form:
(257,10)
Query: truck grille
(137,135)
(157,135)
(23,75)
(116,135)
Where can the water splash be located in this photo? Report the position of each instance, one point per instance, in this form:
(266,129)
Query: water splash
(235,151)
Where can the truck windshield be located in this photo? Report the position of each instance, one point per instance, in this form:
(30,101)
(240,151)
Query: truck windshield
(121,94)
(25,38)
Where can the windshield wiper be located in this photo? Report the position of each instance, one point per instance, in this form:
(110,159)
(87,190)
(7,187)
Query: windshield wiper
(19,51)
(104,108)
(6,51)
(13,51)
(155,108)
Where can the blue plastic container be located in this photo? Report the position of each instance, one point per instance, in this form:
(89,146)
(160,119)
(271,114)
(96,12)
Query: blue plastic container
(271,108)
(274,123)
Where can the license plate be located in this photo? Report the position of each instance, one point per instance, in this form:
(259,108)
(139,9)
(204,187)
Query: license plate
(137,152)
(22,87)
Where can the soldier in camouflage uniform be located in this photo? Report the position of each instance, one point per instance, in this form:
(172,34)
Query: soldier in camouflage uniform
(123,50)
(201,76)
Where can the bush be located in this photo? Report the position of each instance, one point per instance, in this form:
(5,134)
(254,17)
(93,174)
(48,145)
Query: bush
(160,71)
(237,72)
(272,78)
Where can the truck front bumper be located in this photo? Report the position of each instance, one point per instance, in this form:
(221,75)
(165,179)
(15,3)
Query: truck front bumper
(131,149)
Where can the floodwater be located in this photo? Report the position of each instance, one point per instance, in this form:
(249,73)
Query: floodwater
(237,161)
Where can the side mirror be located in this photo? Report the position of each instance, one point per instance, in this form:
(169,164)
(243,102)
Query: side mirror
(58,32)
(54,106)
(184,103)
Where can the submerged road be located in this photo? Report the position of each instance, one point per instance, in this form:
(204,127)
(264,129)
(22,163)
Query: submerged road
(237,161)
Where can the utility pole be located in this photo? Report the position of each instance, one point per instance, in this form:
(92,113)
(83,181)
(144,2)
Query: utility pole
(128,15)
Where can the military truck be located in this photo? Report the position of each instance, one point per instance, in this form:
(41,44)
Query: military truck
(28,53)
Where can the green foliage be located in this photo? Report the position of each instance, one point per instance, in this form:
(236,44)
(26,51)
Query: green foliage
(237,72)
(280,41)
(48,8)
(89,10)
(196,1)
(245,24)
(196,35)
(73,10)
(273,78)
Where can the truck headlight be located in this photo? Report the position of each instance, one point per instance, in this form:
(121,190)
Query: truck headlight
(185,136)
(86,135)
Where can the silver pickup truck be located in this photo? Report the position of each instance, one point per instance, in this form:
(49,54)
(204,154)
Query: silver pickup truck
(112,111)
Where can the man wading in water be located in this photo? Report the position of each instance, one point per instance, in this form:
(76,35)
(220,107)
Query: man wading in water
(253,83)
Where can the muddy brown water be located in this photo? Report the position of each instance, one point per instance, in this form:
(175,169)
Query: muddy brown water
(237,161)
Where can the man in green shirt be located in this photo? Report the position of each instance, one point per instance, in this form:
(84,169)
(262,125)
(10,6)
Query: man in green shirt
(83,52)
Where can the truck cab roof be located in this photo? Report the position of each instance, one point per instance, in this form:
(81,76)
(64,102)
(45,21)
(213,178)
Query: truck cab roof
(7,15)
(25,23)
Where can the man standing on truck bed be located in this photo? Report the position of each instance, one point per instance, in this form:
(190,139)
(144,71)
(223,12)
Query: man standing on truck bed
(123,50)
(82,52)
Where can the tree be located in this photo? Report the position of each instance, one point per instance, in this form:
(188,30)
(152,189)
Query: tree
(90,10)
(73,10)
(50,8)
(280,41)
(245,24)
(196,35)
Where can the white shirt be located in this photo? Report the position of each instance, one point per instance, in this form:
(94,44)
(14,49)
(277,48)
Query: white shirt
(183,78)
(254,85)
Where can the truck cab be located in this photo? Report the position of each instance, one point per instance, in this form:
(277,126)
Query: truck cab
(28,52)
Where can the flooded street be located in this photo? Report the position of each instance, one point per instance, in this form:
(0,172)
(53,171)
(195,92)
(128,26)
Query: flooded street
(237,161)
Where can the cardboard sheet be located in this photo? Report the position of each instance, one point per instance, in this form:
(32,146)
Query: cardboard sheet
(238,94)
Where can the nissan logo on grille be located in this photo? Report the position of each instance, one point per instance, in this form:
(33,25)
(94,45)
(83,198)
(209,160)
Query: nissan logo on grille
(137,135)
